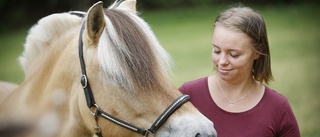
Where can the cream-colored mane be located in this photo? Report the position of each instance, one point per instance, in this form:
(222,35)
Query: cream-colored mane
(47,29)
(43,33)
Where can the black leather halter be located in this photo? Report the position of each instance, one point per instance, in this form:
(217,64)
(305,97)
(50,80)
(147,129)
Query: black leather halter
(96,111)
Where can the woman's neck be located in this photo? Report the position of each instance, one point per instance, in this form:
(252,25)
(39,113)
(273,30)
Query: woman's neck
(235,89)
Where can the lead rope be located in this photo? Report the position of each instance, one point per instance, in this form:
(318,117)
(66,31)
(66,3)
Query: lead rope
(97,129)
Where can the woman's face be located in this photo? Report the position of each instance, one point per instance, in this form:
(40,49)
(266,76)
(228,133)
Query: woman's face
(232,54)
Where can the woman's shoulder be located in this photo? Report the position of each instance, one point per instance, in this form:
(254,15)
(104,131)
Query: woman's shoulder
(274,95)
(275,100)
(279,105)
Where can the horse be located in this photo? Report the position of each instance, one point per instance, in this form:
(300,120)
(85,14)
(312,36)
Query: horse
(98,73)
(5,89)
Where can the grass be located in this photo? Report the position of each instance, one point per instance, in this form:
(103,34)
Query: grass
(186,34)
(10,49)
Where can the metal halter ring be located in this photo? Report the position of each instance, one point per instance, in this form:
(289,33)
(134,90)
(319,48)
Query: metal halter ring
(94,110)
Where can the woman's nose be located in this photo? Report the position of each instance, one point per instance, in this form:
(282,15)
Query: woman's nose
(223,60)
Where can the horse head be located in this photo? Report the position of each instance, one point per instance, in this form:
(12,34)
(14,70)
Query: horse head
(124,74)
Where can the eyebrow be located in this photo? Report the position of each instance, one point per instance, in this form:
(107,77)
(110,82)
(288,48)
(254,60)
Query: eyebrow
(213,45)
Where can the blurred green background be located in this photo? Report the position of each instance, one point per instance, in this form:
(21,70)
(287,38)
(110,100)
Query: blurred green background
(184,29)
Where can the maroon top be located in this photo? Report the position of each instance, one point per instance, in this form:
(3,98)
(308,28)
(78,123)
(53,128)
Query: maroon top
(271,117)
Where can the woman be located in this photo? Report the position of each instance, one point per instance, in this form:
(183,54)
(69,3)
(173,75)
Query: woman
(237,98)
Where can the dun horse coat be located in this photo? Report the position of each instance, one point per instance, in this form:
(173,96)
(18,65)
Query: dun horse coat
(127,68)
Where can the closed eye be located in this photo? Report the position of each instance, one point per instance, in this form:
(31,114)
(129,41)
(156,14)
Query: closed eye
(216,51)
(234,55)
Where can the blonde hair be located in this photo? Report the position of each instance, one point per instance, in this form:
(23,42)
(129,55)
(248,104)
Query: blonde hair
(250,22)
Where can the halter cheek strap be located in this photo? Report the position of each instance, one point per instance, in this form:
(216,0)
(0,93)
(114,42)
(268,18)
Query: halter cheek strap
(96,111)
(84,81)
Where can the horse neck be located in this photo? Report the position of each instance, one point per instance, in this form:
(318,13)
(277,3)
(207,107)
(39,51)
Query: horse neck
(53,85)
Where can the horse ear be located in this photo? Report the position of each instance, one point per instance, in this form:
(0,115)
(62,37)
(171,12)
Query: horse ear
(128,5)
(95,22)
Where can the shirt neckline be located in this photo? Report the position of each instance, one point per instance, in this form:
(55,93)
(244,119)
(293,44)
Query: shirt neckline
(257,106)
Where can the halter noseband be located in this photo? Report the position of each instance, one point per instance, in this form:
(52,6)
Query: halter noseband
(96,111)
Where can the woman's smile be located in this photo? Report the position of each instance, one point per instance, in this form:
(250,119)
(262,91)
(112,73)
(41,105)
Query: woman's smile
(224,71)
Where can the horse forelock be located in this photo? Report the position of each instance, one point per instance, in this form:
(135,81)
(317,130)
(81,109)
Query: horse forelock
(42,34)
(130,54)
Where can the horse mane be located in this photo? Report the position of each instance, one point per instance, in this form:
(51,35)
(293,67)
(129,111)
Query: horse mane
(43,33)
(130,54)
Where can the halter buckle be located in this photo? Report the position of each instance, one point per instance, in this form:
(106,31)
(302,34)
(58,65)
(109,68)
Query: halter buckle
(84,81)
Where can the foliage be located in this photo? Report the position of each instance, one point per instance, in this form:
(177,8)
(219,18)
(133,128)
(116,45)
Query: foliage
(16,14)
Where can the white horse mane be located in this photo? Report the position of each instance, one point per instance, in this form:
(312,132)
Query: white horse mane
(41,35)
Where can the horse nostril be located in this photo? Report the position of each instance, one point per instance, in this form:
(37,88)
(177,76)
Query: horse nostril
(199,135)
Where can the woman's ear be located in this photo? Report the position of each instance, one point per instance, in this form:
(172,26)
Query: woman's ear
(257,55)
(258,51)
